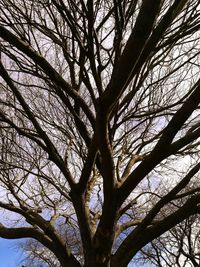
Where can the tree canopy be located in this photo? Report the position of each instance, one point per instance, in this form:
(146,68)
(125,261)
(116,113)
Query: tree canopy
(99,124)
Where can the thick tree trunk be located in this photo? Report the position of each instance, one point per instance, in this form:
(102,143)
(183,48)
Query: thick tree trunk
(67,260)
(98,259)
(70,263)
(95,263)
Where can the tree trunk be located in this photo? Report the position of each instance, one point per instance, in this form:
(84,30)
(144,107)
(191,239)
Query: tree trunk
(72,262)
(67,260)
(97,259)
(96,263)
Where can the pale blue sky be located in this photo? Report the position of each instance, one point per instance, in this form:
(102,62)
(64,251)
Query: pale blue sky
(9,254)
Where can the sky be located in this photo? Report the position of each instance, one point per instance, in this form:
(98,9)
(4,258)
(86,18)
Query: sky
(9,254)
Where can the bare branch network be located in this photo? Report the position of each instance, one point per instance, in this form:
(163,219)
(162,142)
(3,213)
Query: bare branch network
(99,125)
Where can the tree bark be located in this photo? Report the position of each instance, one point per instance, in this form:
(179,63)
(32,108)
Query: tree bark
(71,262)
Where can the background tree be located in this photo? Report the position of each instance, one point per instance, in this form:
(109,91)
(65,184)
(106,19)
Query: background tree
(178,247)
(99,109)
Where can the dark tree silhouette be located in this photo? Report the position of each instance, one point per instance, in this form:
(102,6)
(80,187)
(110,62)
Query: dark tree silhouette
(99,112)
(178,247)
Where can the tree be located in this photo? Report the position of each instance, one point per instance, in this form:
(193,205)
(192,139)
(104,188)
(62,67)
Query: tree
(36,255)
(99,109)
(178,247)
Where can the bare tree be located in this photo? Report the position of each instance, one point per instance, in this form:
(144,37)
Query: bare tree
(99,109)
(36,255)
(178,247)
